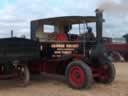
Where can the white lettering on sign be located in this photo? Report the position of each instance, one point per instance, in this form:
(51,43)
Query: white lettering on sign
(64,45)
(66,49)
(61,49)
(58,45)
(72,45)
(66,52)
(57,52)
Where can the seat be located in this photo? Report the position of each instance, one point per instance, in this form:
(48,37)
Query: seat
(61,37)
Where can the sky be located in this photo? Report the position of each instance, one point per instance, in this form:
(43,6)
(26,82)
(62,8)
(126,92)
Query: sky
(17,14)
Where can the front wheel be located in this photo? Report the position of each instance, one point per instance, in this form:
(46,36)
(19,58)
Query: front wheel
(79,75)
(107,73)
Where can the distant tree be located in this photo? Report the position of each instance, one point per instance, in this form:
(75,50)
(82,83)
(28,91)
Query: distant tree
(126,37)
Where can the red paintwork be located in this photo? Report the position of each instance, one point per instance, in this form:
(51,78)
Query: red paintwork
(35,67)
(101,72)
(118,47)
(76,76)
(61,37)
(77,56)
(50,66)
(47,66)
(121,48)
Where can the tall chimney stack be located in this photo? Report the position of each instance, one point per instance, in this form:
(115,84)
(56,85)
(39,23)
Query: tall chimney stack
(99,24)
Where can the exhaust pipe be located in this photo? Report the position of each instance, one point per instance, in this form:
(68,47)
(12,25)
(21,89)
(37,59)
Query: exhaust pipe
(99,25)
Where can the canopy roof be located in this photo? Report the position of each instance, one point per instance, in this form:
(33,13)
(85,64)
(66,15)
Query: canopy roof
(67,20)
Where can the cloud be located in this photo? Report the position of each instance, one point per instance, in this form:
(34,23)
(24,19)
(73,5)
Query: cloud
(114,6)
(23,11)
(18,16)
(115,12)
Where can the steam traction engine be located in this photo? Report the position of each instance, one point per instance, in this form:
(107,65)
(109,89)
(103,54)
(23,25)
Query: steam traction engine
(80,57)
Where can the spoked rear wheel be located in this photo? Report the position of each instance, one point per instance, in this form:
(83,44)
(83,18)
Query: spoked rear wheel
(79,75)
(107,73)
(23,75)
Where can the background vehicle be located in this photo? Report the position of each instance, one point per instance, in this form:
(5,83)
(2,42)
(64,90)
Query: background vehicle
(15,55)
(117,49)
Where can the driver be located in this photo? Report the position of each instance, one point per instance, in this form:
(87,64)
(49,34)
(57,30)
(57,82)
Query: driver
(89,39)
(89,36)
